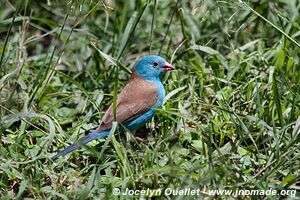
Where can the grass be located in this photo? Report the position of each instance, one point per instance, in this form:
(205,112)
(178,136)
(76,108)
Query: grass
(230,118)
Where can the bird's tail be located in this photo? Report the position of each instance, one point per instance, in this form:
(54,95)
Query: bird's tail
(84,140)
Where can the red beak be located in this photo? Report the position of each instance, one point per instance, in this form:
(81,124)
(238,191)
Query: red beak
(168,67)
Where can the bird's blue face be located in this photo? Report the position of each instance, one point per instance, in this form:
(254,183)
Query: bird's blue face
(152,67)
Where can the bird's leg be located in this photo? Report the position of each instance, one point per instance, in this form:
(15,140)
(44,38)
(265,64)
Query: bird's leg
(141,140)
(138,138)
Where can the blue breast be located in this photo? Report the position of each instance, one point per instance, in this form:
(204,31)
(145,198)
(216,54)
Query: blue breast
(160,93)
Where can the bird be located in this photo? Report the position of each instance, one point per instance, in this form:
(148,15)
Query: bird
(136,103)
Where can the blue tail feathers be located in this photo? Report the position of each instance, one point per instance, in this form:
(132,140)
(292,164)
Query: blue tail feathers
(84,140)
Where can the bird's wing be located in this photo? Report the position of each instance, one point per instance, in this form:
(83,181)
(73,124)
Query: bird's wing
(137,97)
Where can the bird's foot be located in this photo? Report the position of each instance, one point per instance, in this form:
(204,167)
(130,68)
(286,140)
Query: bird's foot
(141,140)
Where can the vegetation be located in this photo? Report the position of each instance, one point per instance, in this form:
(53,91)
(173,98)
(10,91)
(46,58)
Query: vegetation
(230,119)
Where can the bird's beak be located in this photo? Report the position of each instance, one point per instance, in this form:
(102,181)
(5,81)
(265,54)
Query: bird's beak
(168,67)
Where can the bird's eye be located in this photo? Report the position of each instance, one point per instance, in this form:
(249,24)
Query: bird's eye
(155,64)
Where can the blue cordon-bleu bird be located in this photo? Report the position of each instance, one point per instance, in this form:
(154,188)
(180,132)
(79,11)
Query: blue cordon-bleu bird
(136,102)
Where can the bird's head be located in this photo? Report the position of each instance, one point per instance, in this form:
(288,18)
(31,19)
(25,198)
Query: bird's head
(152,67)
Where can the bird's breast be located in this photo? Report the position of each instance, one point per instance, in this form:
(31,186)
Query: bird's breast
(160,93)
